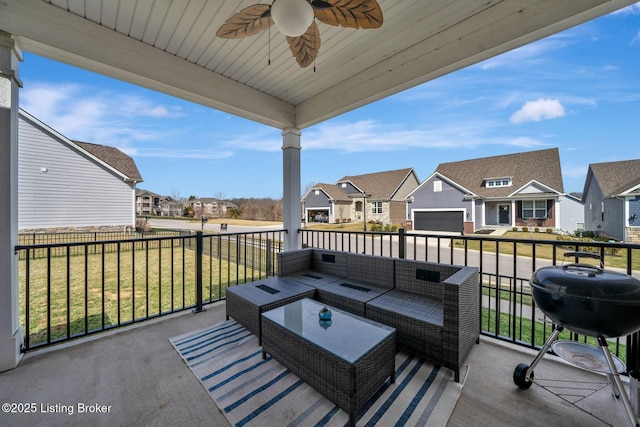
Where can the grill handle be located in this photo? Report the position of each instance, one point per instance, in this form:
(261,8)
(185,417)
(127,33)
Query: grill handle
(582,254)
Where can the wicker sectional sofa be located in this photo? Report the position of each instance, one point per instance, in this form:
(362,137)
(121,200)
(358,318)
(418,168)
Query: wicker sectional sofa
(342,280)
(433,307)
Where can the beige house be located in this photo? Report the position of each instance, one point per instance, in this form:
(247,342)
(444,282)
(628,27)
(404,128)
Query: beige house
(375,196)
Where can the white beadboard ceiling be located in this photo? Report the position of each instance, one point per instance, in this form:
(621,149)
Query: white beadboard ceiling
(170,46)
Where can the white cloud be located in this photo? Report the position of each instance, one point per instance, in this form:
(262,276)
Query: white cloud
(527,54)
(636,39)
(86,113)
(373,136)
(542,109)
(212,154)
(633,9)
(524,142)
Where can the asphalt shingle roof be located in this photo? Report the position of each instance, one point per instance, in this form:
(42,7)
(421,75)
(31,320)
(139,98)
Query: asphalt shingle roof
(616,177)
(542,166)
(333,191)
(114,158)
(381,185)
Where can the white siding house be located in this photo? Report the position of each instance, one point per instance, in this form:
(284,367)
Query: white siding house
(64,184)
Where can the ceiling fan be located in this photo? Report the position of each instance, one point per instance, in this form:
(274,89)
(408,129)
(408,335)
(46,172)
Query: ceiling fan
(295,19)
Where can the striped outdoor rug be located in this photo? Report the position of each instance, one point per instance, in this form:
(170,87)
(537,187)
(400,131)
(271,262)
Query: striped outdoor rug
(251,391)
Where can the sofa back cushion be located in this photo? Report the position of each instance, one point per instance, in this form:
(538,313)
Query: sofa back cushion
(370,269)
(289,262)
(422,277)
(329,262)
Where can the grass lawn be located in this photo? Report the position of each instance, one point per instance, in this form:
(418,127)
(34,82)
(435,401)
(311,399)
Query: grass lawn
(541,334)
(229,221)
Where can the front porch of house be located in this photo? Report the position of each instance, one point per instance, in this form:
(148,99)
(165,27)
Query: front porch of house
(135,377)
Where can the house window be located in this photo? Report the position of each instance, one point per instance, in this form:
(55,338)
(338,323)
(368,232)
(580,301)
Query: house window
(501,182)
(602,211)
(343,185)
(437,186)
(316,192)
(376,207)
(534,209)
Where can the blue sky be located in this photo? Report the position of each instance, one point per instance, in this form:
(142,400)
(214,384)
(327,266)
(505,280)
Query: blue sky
(578,91)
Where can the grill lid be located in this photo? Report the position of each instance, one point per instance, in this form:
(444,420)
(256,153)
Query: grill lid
(588,282)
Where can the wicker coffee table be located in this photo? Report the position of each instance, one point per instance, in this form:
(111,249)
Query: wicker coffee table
(246,302)
(346,360)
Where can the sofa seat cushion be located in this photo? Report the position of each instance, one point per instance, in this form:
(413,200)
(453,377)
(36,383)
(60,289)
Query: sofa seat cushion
(349,295)
(418,321)
(410,304)
(314,278)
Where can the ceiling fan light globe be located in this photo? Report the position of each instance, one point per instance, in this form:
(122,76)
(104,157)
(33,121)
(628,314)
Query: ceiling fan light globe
(292,17)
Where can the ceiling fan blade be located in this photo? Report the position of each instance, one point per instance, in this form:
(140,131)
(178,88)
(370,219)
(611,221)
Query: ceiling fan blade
(348,13)
(305,48)
(247,22)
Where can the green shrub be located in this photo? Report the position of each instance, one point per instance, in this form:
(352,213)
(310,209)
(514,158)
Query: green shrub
(549,230)
(514,229)
(525,229)
(536,230)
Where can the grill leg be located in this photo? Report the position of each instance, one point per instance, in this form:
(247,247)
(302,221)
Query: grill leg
(617,383)
(552,338)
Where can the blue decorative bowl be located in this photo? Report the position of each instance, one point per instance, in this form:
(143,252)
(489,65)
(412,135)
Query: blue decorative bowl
(325,314)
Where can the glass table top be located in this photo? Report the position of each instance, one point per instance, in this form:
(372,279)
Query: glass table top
(345,335)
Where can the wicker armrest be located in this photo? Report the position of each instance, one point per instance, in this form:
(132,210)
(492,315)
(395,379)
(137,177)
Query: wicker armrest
(461,313)
(289,262)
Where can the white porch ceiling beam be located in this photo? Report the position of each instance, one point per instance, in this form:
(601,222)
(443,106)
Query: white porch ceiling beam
(505,26)
(56,34)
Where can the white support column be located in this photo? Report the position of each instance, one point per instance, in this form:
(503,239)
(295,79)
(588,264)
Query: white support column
(10,330)
(291,187)
(514,214)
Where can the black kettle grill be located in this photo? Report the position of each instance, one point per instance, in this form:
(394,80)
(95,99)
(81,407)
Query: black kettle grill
(588,300)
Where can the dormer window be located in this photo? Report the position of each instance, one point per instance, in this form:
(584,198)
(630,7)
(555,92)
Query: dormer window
(497,182)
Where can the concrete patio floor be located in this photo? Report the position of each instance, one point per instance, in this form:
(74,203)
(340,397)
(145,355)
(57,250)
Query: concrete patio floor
(136,378)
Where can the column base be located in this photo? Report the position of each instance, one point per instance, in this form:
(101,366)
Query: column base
(10,351)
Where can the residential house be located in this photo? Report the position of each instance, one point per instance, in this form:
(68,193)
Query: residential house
(209,207)
(170,207)
(611,199)
(370,197)
(152,204)
(523,189)
(65,184)
(327,203)
(147,203)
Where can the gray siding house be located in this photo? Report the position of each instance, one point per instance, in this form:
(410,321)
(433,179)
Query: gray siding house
(71,185)
(611,199)
(372,197)
(523,189)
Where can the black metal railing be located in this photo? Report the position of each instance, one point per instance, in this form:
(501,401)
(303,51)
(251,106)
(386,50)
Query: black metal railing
(508,310)
(75,289)
(78,288)
(39,239)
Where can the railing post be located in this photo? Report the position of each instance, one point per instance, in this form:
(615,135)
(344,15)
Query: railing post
(402,242)
(269,260)
(199,251)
